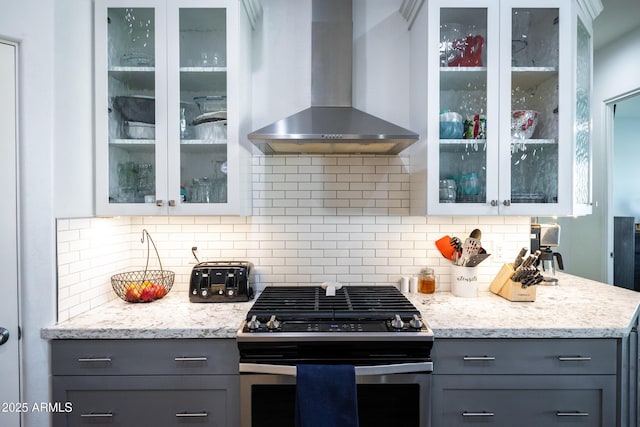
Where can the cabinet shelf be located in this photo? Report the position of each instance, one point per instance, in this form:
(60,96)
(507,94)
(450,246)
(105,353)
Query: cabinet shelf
(456,78)
(141,78)
(458,142)
(193,79)
(462,78)
(530,77)
(203,79)
(138,145)
(192,145)
(197,146)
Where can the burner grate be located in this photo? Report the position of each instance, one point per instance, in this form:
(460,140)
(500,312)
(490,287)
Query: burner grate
(350,302)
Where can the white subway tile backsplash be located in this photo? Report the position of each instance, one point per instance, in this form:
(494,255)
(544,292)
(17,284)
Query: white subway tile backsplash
(315,219)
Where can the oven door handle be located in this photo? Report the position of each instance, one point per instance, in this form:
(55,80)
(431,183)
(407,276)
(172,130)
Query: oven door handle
(396,368)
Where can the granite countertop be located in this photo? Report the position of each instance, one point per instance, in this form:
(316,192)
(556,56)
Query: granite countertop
(170,317)
(576,308)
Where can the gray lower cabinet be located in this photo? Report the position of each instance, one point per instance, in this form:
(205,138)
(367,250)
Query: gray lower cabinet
(525,382)
(162,382)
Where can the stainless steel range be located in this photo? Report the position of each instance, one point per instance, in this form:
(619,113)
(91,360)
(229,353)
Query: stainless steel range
(375,328)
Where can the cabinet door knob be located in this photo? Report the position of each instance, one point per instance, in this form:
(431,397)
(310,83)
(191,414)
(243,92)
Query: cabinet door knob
(172,203)
(4,335)
(494,203)
(506,202)
(159,203)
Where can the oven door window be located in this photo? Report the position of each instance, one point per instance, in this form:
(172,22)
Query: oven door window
(381,405)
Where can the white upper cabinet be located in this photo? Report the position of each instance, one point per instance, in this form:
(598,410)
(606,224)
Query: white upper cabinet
(172,107)
(506,105)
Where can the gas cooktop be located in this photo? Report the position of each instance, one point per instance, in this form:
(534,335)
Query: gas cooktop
(349,302)
(354,312)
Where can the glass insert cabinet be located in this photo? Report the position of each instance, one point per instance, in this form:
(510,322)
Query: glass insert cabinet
(169,107)
(508,89)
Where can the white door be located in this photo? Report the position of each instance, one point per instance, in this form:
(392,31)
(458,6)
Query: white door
(9,348)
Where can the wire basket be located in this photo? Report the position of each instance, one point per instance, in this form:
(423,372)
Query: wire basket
(143,285)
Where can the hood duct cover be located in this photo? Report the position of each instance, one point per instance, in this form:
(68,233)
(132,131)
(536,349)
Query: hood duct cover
(331,125)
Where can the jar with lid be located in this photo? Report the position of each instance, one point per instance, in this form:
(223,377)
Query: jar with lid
(427,281)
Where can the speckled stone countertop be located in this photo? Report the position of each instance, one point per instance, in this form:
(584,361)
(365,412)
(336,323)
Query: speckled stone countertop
(576,308)
(170,317)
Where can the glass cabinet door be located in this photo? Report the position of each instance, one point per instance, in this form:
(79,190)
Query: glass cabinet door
(533,118)
(132,97)
(582,187)
(465,105)
(198,108)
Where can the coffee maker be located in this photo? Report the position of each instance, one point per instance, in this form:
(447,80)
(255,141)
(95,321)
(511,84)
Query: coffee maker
(545,237)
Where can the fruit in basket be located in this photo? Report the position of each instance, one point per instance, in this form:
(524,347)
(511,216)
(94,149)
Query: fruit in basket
(132,292)
(148,294)
(160,291)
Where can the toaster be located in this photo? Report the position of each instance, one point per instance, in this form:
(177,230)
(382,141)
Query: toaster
(221,281)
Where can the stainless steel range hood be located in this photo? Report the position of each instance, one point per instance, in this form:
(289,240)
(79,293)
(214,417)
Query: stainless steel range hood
(331,124)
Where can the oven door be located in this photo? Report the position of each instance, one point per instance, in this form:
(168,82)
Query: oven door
(388,395)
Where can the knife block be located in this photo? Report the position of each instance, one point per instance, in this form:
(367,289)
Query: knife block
(513,291)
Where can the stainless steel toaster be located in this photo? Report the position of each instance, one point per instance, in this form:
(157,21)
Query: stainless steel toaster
(221,281)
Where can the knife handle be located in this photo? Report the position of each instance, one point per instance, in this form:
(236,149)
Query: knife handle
(519,258)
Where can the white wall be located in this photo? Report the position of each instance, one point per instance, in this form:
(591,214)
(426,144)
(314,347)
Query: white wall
(73,108)
(30,23)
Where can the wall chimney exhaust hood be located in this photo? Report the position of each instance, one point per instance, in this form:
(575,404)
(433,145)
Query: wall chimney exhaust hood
(331,125)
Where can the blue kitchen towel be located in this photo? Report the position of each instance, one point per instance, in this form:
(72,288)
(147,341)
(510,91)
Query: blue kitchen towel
(326,396)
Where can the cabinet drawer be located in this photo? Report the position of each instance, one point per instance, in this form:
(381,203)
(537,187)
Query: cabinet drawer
(503,400)
(147,400)
(144,357)
(524,356)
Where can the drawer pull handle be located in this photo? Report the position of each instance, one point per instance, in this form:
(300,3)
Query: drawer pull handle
(572,414)
(97,415)
(478,414)
(190,359)
(94,359)
(574,359)
(478,358)
(202,414)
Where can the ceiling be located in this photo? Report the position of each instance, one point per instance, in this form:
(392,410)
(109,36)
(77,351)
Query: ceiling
(617,18)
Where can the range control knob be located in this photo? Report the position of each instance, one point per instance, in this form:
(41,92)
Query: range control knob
(397,322)
(204,293)
(230,292)
(273,323)
(415,323)
(254,324)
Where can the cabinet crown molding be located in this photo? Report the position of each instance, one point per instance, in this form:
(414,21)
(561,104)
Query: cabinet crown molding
(409,10)
(591,7)
(254,11)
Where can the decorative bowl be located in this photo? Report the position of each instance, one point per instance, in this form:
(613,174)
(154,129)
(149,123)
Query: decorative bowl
(523,123)
(451,125)
(139,130)
(209,104)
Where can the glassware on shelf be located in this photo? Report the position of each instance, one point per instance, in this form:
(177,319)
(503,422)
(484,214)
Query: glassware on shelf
(220,181)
